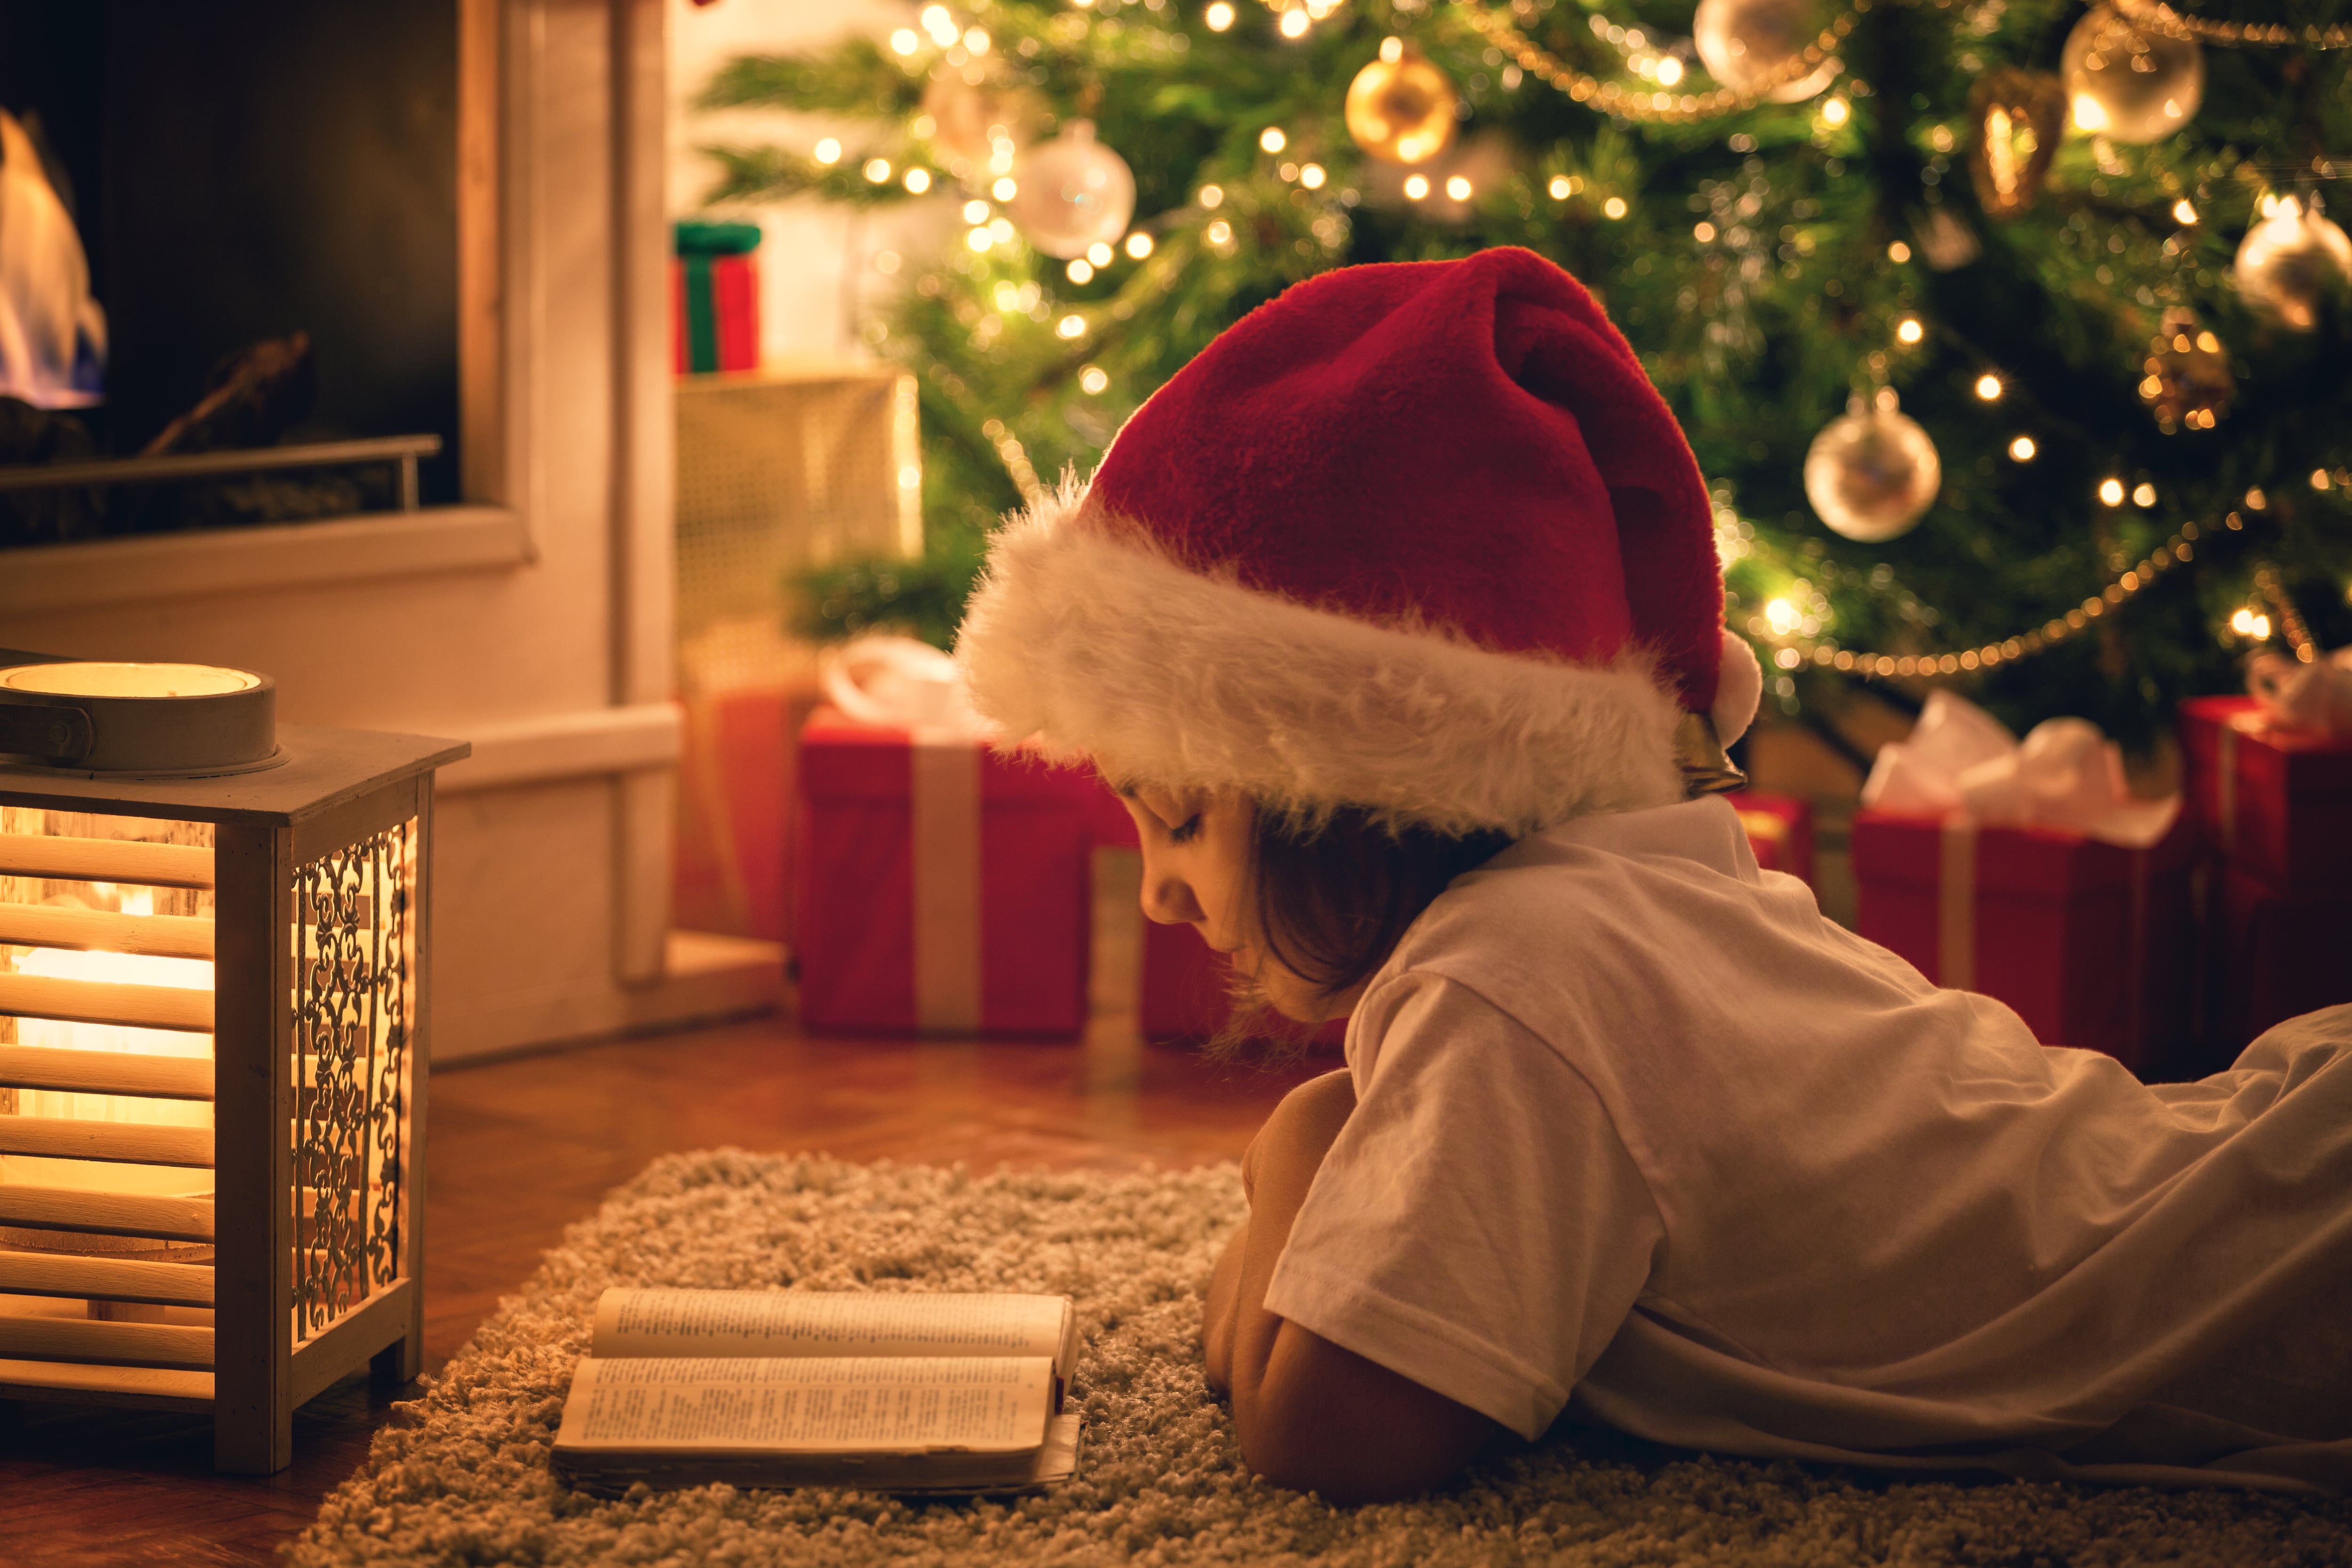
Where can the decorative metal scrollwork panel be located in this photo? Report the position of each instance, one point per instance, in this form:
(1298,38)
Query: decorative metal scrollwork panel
(351,1002)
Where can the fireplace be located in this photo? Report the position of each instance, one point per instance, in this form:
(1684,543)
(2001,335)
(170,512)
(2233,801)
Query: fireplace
(261,202)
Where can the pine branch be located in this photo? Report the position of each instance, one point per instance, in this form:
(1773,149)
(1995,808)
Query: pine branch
(854,78)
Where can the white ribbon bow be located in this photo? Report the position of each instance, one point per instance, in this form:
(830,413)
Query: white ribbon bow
(2065,774)
(2314,697)
(902,684)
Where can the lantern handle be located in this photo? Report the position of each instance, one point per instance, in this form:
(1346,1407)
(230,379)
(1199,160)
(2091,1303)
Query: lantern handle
(55,732)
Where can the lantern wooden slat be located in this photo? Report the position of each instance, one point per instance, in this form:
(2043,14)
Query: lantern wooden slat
(102,931)
(105,860)
(106,1278)
(106,1002)
(308,1251)
(116,1143)
(105,1073)
(165,1347)
(79,1211)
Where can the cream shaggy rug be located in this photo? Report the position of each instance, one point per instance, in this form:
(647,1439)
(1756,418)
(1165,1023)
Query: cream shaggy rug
(461,1476)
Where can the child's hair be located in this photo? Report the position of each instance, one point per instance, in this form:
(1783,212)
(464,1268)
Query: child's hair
(1333,900)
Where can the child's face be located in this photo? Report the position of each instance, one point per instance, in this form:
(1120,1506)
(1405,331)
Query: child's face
(1196,866)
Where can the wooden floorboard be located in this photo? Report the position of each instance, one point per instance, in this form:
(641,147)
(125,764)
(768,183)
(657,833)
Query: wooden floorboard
(520,1149)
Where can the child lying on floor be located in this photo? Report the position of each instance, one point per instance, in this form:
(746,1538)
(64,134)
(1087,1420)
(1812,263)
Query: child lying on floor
(1396,615)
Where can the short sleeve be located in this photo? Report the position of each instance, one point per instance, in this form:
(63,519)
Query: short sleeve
(1479,1227)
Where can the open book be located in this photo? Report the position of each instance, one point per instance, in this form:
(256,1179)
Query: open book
(792,1388)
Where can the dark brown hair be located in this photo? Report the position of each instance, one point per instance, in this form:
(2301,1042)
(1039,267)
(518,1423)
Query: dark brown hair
(1333,900)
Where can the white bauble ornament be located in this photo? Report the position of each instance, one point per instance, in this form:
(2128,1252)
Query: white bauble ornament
(1742,41)
(2290,262)
(1074,191)
(2126,85)
(1871,471)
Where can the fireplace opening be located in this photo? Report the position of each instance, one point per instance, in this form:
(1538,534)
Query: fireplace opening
(265,202)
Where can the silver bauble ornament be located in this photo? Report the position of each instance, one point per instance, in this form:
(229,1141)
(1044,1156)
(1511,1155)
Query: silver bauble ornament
(1072,192)
(2290,262)
(1740,42)
(2126,85)
(1871,471)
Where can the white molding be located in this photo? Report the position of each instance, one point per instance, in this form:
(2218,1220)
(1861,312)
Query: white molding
(584,744)
(205,563)
(705,979)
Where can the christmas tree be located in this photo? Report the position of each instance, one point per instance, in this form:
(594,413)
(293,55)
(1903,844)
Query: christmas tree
(2011,335)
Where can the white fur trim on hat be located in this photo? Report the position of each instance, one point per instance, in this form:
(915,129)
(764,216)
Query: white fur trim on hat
(1088,638)
(1738,689)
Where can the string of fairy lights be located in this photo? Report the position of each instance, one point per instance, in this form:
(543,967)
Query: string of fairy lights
(1641,101)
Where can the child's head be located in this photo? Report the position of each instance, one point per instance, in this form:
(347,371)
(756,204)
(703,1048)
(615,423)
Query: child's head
(1308,911)
(1410,562)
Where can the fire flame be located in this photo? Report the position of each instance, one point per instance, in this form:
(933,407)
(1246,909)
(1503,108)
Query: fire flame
(52,333)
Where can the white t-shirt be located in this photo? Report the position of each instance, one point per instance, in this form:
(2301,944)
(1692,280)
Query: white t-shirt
(1638,1130)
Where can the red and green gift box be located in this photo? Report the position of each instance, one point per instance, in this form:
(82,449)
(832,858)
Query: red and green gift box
(715,296)
(945,887)
(2092,943)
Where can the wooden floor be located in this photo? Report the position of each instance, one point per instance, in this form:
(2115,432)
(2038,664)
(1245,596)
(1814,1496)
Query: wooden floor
(519,1149)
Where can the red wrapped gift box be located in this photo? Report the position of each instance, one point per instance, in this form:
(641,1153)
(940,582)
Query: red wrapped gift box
(2276,801)
(2276,949)
(943,889)
(2092,943)
(1779,830)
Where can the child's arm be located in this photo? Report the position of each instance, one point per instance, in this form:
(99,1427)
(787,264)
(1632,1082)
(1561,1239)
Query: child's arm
(1312,1415)
(1218,1313)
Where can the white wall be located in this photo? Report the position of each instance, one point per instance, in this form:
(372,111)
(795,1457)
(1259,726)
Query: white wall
(816,262)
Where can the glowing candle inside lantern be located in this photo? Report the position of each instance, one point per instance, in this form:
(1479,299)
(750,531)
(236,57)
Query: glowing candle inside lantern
(121,678)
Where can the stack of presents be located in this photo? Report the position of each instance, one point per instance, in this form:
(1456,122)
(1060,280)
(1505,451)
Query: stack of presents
(946,889)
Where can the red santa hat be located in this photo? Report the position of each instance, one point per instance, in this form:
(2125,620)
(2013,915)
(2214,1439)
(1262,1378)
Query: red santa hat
(1416,537)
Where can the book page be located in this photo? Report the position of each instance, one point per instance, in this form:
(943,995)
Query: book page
(638,1323)
(810,1405)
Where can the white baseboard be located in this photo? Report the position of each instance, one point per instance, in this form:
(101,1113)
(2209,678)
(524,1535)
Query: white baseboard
(568,745)
(707,979)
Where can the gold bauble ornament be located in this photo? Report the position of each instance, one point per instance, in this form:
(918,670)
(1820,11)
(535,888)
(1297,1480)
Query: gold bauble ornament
(2188,381)
(1872,472)
(1400,107)
(2016,118)
(2126,85)
(1741,42)
(2290,262)
(971,112)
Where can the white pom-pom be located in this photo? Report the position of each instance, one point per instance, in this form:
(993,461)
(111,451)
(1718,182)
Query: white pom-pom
(1738,687)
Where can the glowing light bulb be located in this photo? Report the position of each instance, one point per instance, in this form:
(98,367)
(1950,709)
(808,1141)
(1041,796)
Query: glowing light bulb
(1139,245)
(1082,270)
(1312,176)
(1458,188)
(904,41)
(1783,614)
(1271,138)
(2182,213)
(2088,114)
(878,170)
(1099,254)
(1220,232)
(1834,113)
(1703,232)
(979,240)
(1559,188)
(1392,49)
(1219,16)
(2144,494)
(1093,378)
(1614,207)
(1670,72)
(918,181)
(975,212)
(1415,187)
(2022,449)
(1989,386)
(1293,24)
(1070,327)
(1898,253)
(1909,330)
(2319,480)
(975,40)
(2112,491)
(826,151)
(1005,189)
(1212,196)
